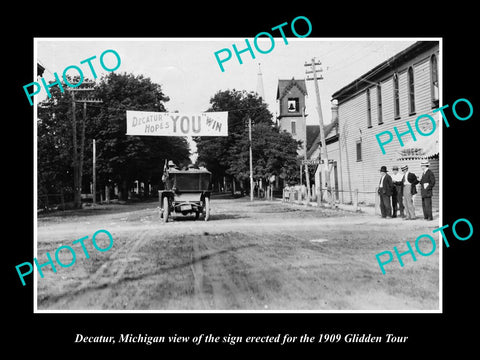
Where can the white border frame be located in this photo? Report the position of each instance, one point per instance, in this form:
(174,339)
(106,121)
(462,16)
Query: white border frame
(35,114)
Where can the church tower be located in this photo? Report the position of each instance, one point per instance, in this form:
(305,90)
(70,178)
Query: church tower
(291,100)
(260,90)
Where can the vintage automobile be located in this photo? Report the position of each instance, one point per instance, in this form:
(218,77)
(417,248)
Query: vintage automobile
(186,192)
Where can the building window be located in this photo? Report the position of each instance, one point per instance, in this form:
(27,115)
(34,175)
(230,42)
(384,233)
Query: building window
(434,79)
(396,97)
(294,128)
(369,110)
(359,150)
(411,91)
(379,104)
(292,104)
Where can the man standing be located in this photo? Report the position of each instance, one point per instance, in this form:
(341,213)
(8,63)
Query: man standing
(427,183)
(409,189)
(385,191)
(397,192)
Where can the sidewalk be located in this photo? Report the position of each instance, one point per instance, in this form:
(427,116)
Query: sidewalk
(370,210)
(365,209)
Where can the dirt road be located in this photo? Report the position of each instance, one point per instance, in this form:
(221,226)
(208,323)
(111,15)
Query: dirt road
(249,256)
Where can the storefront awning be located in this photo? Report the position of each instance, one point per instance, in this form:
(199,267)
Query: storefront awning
(425,147)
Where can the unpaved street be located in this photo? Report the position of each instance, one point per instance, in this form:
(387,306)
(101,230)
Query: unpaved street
(263,255)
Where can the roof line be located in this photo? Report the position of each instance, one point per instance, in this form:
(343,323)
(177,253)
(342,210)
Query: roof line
(417,46)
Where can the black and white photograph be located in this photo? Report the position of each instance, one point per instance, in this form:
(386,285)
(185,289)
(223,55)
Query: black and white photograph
(202,179)
(282,205)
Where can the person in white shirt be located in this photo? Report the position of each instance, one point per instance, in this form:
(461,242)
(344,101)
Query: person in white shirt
(409,189)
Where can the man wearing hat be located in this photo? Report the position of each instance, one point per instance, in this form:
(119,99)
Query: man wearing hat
(409,189)
(385,191)
(397,192)
(165,178)
(427,183)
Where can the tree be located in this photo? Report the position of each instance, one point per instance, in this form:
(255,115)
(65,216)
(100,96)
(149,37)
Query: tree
(58,160)
(121,158)
(274,152)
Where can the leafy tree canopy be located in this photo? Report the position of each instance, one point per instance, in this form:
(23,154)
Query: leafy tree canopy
(120,158)
(274,152)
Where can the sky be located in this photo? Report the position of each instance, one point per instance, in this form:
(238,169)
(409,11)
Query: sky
(189,73)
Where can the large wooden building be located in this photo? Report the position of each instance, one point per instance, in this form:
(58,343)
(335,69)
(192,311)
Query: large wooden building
(393,93)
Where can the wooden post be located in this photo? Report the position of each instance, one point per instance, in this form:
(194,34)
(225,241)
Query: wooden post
(318,185)
(250,153)
(75,162)
(355,204)
(301,179)
(94,191)
(324,157)
(307,176)
(78,155)
(107,194)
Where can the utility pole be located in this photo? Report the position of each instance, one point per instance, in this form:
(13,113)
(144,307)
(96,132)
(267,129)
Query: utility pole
(78,155)
(94,172)
(307,176)
(325,167)
(251,161)
(77,192)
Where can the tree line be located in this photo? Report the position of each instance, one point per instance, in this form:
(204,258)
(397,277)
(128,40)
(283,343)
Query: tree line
(122,159)
(274,152)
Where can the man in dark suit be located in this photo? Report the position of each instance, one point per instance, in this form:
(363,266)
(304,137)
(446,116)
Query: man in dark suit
(385,191)
(397,192)
(427,183)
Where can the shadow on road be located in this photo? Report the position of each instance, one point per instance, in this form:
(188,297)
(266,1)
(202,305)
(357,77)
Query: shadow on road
(101,209)
(180,218)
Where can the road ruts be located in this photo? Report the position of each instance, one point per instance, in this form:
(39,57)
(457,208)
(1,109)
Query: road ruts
(110,273)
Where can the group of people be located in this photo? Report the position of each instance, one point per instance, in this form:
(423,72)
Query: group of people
(396,192)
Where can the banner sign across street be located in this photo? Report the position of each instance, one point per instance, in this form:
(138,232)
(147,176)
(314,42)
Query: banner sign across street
(177,124)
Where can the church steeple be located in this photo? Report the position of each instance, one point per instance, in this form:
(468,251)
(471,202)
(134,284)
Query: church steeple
(260,90)
(291,100)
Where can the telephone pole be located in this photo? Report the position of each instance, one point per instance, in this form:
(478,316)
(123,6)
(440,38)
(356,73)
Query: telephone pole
(307,175)
(250,153)
(94,172)
(324,164)
(78,155)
